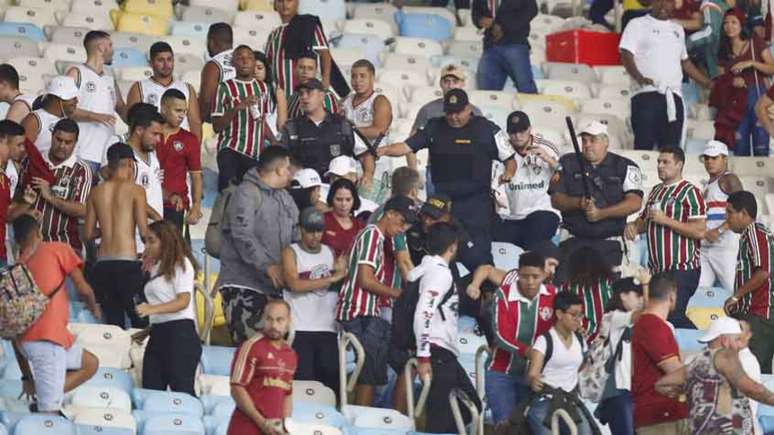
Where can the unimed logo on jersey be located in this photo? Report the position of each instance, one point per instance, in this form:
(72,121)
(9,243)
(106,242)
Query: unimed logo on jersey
(91,86)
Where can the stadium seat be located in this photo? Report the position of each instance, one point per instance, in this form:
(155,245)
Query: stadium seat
(297,428)
(759,186)
(569,71)
(426,26)
(173,424)
(158,8)
(257,5)
(250,37)
(311,412)
(466,49)
(66,34)
(10,388)
(442,12)
(138,41)
(16,46)
(501,99)
(703,316)
(700,129)
(33,66)
(173,403)
(44,4)
(96,20)
(185,62)
(548,22)
(100,396)
(372,45)
(619,107)
(694,165)
(614,90)
(216,360)
(93,6)
(401,79)
(687,339)
(189,29)
(105,418)
(408,62)
(210,402)
(38,17)
(313,391)
(345,57)
(537,40)
(468,343)
(327,10)
(227,5)
(498,115)
(136,23)
(379,11)
(110,343)
(112,377)
(616,128)
(566,88)
(647,160)
(368,26)
(206,14)
(469,63)
(187,45)
(128,57)
(417,46)
(83,429)
(425,94)
(545,112)
(376,418)
(44,424)
(752,166)
(613,74)
(506,255)
(193,78)
(466,33)
(434,77)
(24,30)
(133,74)
(694,146)
(257,19)
(215,385)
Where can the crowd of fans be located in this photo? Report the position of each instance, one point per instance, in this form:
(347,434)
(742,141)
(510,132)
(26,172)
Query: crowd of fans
(320,228)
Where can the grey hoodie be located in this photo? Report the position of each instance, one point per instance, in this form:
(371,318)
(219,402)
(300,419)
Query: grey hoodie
(253,239)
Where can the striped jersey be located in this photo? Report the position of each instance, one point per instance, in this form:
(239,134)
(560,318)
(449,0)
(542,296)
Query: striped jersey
(283,68)
(517,323)
(716,215)
(243,134)
(330,103)
(668,250)
(756,247)
(595,299)
(368,249)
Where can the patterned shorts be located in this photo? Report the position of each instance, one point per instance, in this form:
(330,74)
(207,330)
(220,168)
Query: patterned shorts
(243,309)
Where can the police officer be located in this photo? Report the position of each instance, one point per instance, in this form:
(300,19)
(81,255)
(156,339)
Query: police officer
(462,147)
(595,215)
(318,136)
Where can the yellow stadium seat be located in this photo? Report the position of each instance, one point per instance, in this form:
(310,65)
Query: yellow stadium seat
(157,8)
(136,23)
(703,316)
(257,5)
(217,302)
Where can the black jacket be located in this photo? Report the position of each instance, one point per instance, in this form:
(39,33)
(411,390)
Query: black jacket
(513,16)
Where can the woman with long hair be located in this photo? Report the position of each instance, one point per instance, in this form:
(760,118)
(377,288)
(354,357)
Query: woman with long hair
(174,348)
(278,107)
(591,278)
(341,227)
(745,64)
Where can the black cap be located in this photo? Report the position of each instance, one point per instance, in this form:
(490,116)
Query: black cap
(311,84)
(455,100)
(518,121)
(437,206)
(120,150)
(312,220)
(403,205)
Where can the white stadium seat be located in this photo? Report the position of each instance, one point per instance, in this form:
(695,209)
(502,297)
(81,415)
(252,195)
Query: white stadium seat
(548,22)
(96,20)
(569,71)
(613,74)
(380,11)
(66,34)
(38,17)
(433,10)
(752,166)
(402,79)
(100,397)
(417,46)
(369,26)
(545,113)
(407,62)
(104,418)
(110,343)
(226,5)
(646,160)
(250,37)
(12,46)
(206,14)
(257,20)
(465,48)
(93,6)
(467,34)
(613,90)
(566,88)
(134,73)
(187,45)
(185,62)
(137,41)
(377,418)
(700,129)
(425,94)
(502,99)
(616,128)
(619,107)
(313,391)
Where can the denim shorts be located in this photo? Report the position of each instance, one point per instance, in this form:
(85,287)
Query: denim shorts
(49,363)
(374,335)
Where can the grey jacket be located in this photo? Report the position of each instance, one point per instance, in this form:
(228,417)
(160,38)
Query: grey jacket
(253,238)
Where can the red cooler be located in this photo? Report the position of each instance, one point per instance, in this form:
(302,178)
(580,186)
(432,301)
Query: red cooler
(583,46)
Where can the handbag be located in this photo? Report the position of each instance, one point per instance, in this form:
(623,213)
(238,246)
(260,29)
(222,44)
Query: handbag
(21,301)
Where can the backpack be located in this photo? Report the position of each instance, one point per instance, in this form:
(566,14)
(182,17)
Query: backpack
(403,310)
(600,363)
(216,227)
(21,301)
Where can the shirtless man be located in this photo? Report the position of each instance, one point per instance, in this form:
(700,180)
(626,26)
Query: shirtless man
(118,206)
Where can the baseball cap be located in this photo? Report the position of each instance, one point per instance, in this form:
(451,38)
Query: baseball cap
(63,87)
(454,71)
(455,100)
(120,150)
(342,166)
(306,178)
(518,121)
(715,148)
(721,326)
(594,128)
(437,206)
(311,84)
(312,220)
(403,205)
(547,249)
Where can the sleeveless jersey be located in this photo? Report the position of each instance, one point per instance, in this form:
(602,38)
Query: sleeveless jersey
(151,92)
(314,310)
(97,93)
(223,62)
(715,199)
(27,99)
(47,122)
(362,115)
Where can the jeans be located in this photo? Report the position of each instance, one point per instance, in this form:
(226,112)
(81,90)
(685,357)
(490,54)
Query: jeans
(538,413)
(750,133)
(172,356)
(503,61)
(687,281)
(448,375)
(504,392)
(537,227)
(617,413)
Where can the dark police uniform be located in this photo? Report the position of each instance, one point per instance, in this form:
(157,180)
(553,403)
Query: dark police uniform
(314,146)
(462,169)
(608,183)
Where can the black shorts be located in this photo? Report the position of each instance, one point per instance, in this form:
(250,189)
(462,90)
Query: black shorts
(374,335)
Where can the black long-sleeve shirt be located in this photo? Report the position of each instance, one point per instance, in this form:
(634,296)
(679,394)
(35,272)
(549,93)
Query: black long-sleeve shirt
(513,16)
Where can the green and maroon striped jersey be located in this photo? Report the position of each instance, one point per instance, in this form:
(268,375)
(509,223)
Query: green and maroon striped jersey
(243,134)
(595,299)
(756,247)
(283,69)
(668,250)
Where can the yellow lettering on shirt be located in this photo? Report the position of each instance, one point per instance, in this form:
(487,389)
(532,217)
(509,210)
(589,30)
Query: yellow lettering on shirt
(463,141)
(276,382)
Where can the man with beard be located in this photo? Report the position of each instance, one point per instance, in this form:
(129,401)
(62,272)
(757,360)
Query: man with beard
(98,98)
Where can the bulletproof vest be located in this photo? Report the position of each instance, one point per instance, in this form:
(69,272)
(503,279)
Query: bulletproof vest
(461,154)
(314,147)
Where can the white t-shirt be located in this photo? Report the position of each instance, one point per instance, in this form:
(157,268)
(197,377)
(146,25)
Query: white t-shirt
(159,290)
(527,192)
(314,310)
(561,371)
(97,93)
(658,47)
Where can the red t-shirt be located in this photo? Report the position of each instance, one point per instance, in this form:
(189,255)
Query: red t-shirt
(5,202)
(339,239)
(178,155)
(266,372)
(652,342)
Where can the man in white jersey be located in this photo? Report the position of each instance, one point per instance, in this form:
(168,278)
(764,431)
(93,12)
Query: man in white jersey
(371,113)
(19,105)
(220,43)
(310,271)
(98,98)
(61,101)
(150,90)
(720,246)
(531,219)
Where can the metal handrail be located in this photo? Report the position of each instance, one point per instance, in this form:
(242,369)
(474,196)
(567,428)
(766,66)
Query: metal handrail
(415,412)
(480,386)
(209,310)
(561,414)
(347,386)
(456,396)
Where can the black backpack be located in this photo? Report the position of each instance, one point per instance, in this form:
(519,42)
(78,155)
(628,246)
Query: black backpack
(403,310)
(550,345)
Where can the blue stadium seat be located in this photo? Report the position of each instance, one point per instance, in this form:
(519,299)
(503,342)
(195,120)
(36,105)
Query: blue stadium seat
(173,424)
(223,410)
(372,45)
(210,402)
(26,30)
(84,429)
(43,425)
(9,419)
(187,28)
(506,255)
(767,423)
(126,57)
(3,430)
(694,146)
(420,25)
(113,377)
(687,339)
(173,403)
(10,388)
(709,297)
(309,412)
(216,360)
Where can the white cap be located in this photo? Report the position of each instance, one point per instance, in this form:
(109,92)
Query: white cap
(721,326)
(63,87)
(306,178)
(594,128)
(715,148)
(342,166)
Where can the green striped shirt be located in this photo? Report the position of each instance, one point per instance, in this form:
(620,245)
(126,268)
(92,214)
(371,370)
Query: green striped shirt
(243,134)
